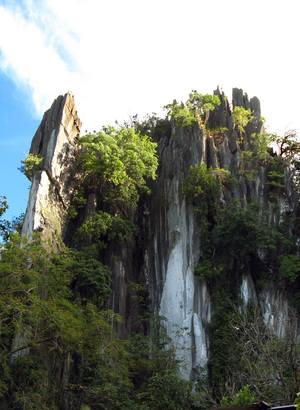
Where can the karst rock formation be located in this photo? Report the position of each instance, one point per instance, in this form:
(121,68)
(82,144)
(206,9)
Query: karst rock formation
(171,244)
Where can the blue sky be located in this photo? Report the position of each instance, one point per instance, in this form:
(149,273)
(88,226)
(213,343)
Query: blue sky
(17,127)
(126,57)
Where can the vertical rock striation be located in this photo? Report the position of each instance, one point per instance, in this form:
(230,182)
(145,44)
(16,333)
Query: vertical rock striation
(171,244)
(52,185)
(175,248)
(175,245)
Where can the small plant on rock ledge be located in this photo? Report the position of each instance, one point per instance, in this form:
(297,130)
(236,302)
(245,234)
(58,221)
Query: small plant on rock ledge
(30,165)
(241,117)
(196,109)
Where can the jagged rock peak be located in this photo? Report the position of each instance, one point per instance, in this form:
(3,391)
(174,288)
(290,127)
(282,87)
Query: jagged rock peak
(52,185)
(63,114)
(239,99)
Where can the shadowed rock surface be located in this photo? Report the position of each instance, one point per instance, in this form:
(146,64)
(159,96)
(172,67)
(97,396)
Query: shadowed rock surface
(52,185)
(169,245)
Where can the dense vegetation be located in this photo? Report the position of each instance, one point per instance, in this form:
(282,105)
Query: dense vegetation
(44,320)
(59,343)
(235,241)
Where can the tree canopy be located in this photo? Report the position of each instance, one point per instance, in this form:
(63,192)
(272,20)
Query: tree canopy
(119,162)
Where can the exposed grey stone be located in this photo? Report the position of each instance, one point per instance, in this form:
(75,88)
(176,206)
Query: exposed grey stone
(219,116)
(172,244)
(255,107)
(233,142)
(237,97)
(246,102)
(52,184)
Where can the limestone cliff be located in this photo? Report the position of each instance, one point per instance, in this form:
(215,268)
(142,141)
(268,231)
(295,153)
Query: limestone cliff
(51,186)
(169,244)
(174,290)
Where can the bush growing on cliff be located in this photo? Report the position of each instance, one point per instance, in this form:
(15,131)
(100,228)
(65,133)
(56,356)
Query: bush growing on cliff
(240,241)
(4,225)
(51,311)
(118,163)
(201,186)
(199,103)
(30,165)
(241,117)
(269,363)
(101,227)
(195,110)
(243,398)
(150,125)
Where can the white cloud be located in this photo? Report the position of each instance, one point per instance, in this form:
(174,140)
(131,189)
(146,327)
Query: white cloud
(122,57)
(31,60)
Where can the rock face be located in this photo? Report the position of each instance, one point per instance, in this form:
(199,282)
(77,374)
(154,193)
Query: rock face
(178,295)
(172,246)
(52,184)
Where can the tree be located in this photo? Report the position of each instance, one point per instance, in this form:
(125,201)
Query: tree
(243,398)
(52,317)
(30,165)
(199,104)
(241,117)
(42,319)
(289,150)
(4,225)
(196,109)
(269,364)
(118,162)
(150,125)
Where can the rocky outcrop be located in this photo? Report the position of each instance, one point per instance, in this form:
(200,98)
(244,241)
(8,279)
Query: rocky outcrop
(175,245)
(52,184)
(171,245)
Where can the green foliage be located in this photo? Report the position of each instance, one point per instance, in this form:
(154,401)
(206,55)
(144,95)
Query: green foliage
(183,116)
(195,109)
(102,227)
(36,301)
(288,145)
(289,151)
(54,304)
(243,232)
(118,162)
(268,363)
(253,154)
(260,145)
(199,103)
(4,225)
(247,165)
(223,351)
(28,372)
(275,177)
(207,270)
(3,205)
(78,202)
(167,391)
(243,398)
(201,188)
(234,242)
(159,385)
(101,377)
(241,117)
(289,267)
(151,125)
(30,165)
(33,291)
(92,278)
